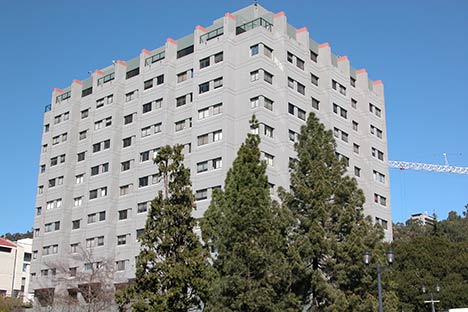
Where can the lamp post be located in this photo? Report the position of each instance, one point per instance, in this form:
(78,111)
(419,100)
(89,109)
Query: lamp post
(366,257)
(432,301)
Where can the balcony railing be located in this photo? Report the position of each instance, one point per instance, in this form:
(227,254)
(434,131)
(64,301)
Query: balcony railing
(106,79)
(154,58)
(212,34)
(254,24)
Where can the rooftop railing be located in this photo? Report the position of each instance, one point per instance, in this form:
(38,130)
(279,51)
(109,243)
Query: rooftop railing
(154,58)
(254,24)
(106,79)
(212,34)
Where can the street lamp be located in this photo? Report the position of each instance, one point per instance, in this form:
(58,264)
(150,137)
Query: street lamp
(367,257)
(432,301)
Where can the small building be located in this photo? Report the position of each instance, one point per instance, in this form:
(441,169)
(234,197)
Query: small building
(423,218)
(15,263)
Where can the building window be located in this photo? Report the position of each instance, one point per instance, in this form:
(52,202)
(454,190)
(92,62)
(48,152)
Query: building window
(338,87)
(181,77)
(202,139)
(377,154)
(124,166)
(254,102)
(147,108)
(123,214)
(355,148)
(379,199)
(357,171)
(96,217)
(268,77)
(125,189)
(160,80)
(76,224)
(292,136)
(205,62)
(201,194)
(217,135)
(254,75)
(300,88)
(218,57)
(353,103)
(120,265)
(267,51)
(102,192)
(81,156)
(38,211)
(143,181)
(376,131)
(127,142)
(128,119)
(379,177)
(217,163)
(254,50)
(268,131)
(352,81)
(121,240)
(77,201)
(267,103)
(313,56)
(202,166)
(131,95)
(355,126)
(268,158)
(148,84)
(300,63)
(218,83)
(315,103)
(204,87)
(314,79)
(142,207)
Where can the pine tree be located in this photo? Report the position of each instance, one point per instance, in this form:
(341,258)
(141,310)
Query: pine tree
(171,273)
(331,231)
(248,234)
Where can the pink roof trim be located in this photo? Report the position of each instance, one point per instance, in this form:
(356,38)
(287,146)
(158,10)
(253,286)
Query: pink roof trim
(6,242)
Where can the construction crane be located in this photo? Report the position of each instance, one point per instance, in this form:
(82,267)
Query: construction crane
(406,165)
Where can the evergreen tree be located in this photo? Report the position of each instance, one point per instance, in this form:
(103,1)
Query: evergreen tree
(331,231)
(171,273)
(247,232)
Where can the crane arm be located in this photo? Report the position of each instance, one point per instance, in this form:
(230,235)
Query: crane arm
(403,165)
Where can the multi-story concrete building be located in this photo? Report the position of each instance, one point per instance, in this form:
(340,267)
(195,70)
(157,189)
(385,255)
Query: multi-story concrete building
(15,262)
(96,177)
(423,218)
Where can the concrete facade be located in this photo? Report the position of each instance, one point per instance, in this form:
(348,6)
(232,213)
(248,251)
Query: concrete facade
(15,264)
(101,133)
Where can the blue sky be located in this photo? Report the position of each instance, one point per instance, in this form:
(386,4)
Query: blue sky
(418,48)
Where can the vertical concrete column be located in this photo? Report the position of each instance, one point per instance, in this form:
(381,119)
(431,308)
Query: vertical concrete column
(76,88)
(197,33)
(378,87)
(324,57)
(96,75)
(362,79)
(302,36)
(229,24)
(171,49)
(120,70)
(344,66)
(280,24)
(56,92)
(144,54)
